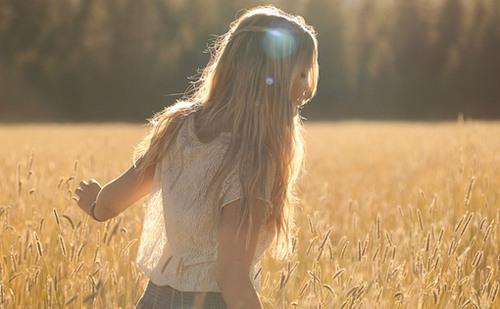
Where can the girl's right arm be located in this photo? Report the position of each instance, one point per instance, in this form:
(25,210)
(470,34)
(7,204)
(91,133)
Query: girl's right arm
(233,260)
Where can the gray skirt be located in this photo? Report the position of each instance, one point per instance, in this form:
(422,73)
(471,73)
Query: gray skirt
(167,297)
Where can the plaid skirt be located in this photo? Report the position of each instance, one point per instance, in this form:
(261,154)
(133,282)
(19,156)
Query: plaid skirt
(167,297)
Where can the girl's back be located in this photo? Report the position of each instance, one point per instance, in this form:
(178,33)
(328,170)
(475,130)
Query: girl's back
(178,244)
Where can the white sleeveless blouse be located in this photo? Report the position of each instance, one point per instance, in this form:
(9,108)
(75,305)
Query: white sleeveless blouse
(178,244)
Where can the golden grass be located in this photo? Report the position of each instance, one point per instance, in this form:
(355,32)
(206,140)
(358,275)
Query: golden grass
(394,215)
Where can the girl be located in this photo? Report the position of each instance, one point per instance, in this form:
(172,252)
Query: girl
(220,166)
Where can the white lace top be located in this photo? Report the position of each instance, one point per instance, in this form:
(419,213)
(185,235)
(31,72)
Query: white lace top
(178,244)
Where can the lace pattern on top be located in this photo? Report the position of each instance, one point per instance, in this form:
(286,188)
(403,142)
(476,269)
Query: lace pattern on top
(177,245)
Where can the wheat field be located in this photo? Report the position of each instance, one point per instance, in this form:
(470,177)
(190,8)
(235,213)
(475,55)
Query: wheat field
(393,215)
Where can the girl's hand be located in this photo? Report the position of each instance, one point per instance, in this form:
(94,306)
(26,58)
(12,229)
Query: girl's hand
(87,193)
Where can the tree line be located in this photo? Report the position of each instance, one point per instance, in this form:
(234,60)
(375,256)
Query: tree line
(126,59)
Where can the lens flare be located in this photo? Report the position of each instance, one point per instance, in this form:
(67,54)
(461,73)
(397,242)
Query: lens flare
(269,80)
(279,42)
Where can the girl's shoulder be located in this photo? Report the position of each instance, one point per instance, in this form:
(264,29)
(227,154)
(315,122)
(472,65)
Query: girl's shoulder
(190,138)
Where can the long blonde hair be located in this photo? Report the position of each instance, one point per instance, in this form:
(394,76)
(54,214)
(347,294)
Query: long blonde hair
(246,87)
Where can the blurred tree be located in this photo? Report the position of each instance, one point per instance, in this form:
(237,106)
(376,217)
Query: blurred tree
(333,86)
(125,59)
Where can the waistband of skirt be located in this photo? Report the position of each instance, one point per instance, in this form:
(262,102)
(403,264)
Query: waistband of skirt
(167,287)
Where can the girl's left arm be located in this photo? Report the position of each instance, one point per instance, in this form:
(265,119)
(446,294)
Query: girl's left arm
(121,192)
(117,195)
